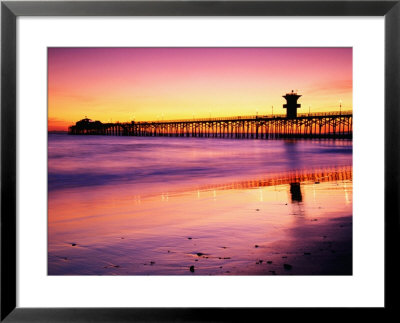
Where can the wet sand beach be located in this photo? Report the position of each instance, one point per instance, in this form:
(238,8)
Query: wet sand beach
(317,248)
(226,219)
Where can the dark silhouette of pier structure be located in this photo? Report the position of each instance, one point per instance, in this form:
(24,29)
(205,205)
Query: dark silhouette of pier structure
(291,106)
(338,124)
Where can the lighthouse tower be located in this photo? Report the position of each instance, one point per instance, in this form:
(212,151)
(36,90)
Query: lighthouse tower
(291,104)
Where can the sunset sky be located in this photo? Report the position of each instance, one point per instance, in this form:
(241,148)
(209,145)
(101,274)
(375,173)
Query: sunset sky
(124,84)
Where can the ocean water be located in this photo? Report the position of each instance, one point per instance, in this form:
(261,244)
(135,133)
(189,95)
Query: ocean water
(198,206)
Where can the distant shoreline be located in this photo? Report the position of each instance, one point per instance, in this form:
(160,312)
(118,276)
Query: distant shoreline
(58,132)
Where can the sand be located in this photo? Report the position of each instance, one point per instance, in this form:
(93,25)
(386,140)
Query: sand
(320,247)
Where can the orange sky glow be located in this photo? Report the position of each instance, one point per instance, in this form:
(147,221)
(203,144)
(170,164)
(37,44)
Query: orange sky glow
(149,84)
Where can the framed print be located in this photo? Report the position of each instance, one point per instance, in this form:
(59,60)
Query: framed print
(187,160)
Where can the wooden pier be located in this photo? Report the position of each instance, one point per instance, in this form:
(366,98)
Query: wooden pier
(338,124)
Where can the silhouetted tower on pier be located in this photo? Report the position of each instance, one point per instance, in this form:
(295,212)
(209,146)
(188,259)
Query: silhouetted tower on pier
(291,104)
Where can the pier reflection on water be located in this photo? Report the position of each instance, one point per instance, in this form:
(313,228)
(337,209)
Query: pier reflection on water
(295,192)
(293,178)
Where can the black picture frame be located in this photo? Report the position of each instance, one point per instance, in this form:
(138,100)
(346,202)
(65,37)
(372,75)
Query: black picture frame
(10,10)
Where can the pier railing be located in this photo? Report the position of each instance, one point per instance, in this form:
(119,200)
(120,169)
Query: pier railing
(251,117)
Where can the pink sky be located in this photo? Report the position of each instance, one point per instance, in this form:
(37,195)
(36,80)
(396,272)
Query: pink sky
(121,84)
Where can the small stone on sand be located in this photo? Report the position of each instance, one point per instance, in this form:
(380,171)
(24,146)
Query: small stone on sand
(191,269)
(287,266)
(269,262)
(256,246)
